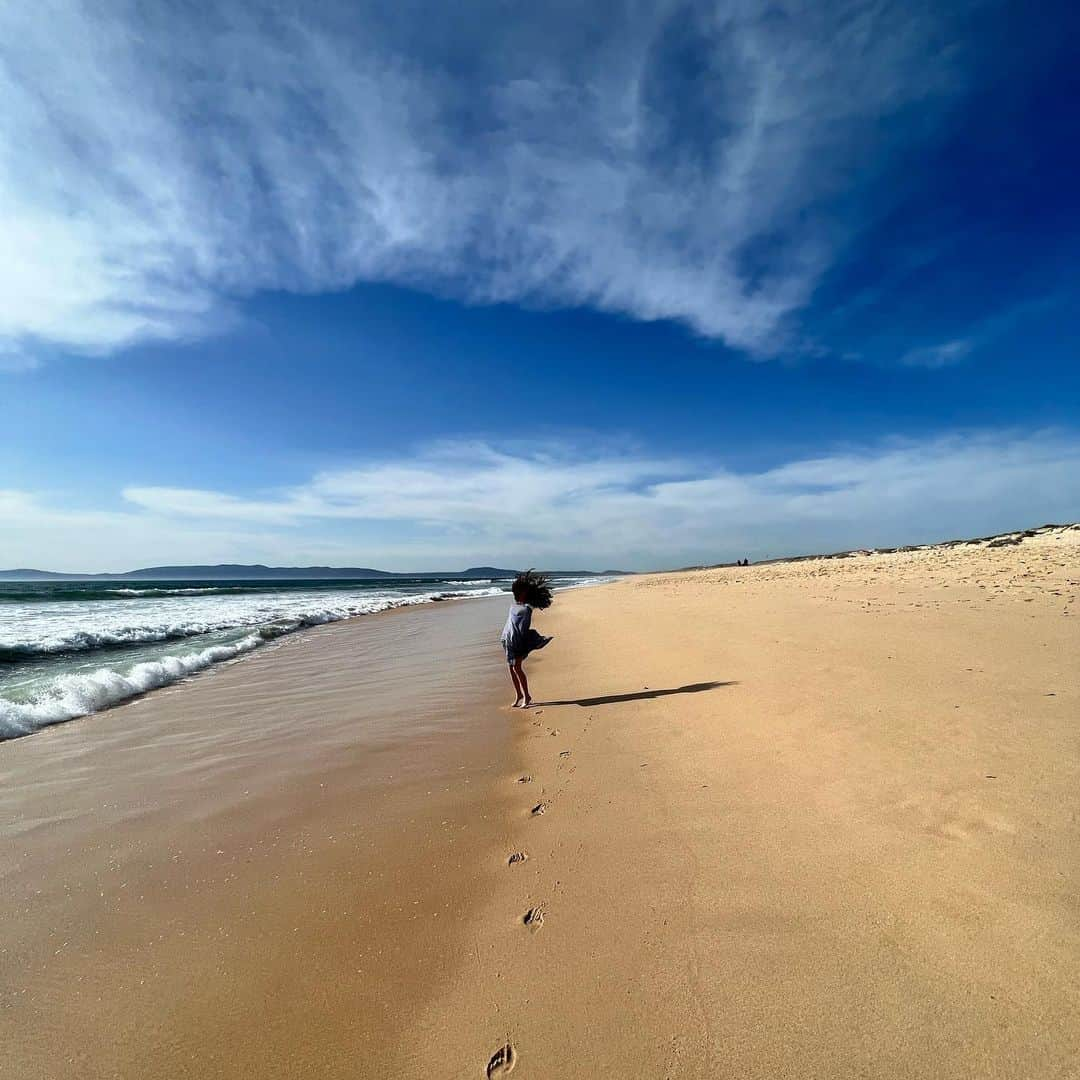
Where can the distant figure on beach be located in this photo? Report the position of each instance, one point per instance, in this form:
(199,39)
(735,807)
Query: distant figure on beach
(531,590)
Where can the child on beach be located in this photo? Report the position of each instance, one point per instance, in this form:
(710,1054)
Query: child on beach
(531,590)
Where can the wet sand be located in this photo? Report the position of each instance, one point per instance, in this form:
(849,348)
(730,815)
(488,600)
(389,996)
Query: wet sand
(814,819)
(260,871)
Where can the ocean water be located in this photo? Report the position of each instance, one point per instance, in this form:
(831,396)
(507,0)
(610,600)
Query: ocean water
(70,648)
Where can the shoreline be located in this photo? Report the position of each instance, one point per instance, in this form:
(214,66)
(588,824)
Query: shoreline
(256,640)
(19,719)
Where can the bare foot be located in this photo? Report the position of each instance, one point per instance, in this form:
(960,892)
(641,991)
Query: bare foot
(528,701)
(517,704)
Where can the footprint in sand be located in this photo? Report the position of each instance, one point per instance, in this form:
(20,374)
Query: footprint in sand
(502,1062)
(534,918)
(517,857)
(538,809)
(524,779)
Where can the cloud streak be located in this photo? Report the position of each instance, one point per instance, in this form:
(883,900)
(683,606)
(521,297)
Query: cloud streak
(467,500)
(671,161)
(938,356)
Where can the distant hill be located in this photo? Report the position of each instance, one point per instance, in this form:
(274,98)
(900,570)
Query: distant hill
(206,573)
(30,575)
(256,571)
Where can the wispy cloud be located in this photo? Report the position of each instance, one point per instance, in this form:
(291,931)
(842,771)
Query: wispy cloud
(938,356)
(13,358)
(37,531)
(666,161)
(564,504)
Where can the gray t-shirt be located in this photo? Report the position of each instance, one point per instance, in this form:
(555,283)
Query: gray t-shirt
(515,631)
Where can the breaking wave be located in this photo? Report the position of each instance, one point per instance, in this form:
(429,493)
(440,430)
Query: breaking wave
(66,694)
(75,695)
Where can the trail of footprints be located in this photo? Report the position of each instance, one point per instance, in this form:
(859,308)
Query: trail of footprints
(505,1057)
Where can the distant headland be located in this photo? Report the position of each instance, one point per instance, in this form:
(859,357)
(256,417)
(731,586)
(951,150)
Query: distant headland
(258,572)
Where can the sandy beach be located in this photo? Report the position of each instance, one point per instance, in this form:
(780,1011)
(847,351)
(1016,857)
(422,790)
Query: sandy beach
(808,819)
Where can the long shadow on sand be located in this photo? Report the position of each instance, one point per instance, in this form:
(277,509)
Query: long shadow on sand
(641,695)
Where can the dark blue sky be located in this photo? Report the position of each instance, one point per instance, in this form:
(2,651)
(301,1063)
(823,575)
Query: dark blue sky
(698,286)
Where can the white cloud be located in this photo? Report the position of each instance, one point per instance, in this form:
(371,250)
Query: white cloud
(938,356)
(156,165)
(43,531)
(471,502)
(211,505)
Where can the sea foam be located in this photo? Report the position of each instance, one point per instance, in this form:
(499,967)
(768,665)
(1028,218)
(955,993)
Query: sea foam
(49,640)
(70,696)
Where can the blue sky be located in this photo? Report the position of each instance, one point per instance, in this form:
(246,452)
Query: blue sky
(597,285)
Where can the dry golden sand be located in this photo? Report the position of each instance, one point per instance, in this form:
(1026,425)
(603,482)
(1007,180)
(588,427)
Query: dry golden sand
(815,819)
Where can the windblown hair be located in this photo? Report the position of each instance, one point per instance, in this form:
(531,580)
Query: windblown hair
(532,588)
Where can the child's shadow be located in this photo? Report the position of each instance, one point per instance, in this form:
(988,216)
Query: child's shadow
(641,695)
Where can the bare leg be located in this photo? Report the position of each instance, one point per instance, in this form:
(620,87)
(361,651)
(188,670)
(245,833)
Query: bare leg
(523,682)
(517,687)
